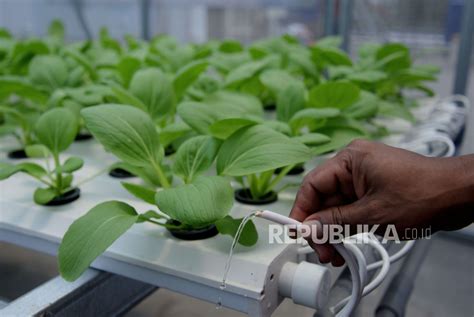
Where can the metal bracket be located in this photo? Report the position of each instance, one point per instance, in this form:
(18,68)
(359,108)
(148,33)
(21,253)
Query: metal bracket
(95,293)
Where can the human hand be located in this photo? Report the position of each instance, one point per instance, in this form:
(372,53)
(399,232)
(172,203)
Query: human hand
(375,184)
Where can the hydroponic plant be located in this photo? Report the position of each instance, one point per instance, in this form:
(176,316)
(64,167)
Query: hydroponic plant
(55,130)
(199,203)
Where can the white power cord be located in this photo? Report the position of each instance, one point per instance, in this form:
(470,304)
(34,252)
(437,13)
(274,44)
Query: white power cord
(354,259)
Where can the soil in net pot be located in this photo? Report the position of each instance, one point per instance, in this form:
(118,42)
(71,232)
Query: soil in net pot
(244,196)
(192,234)
(65,198)
(120,173)
(17,154)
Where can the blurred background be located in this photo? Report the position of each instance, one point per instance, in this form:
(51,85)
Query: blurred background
(431,28)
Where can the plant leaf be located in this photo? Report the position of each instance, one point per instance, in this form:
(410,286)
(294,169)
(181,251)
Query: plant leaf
(48,71)
(173,131)
(256,149)
(150,214)
(391,109)
(127,98)
(186,76)
(71,164)
(37,151)
(339,138)
(312,118)
(326,55)
(275,80)
(141,192)
(126,131)
(312,139)
(206,200)
(195,156)
(127,66)
(338,95)
(90,235)
(365,107)
(224,128)
(56,129)
(42,196)
(290,100)
(155,90)
(33,169)
(21,87)
(229,226)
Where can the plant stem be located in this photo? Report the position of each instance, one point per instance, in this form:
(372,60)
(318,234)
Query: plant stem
(85,180)
(279,177)
(161,176)
(59,175)
(164,224)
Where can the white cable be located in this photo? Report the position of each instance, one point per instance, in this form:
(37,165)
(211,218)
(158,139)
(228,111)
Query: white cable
(457,98)
(394,257)
(380,276)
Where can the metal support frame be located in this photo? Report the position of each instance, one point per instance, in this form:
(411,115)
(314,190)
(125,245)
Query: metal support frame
(328,17)
(95,293)
(145,18)
(465,49)
(345,22)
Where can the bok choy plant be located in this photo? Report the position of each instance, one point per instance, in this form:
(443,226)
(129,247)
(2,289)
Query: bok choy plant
(55,131)
(198,202)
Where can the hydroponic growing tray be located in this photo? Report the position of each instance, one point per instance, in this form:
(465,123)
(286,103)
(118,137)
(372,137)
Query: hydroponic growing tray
(148,253)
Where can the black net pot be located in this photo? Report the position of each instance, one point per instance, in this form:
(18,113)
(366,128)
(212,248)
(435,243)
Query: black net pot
(244,196)
(120,173)
(17,154)
(192,234)
(270,107)
(65,198)
(83,136)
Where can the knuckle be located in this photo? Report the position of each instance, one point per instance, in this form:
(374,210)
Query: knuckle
(360,144)
(337,215)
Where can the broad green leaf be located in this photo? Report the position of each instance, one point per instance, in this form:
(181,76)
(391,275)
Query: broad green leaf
(155,90)
(230,46)
(72,164)
(21,87)
(67,180)
(275,80)
(367,76)
(141,192)
(56,129)
(127,98)
(290,100)
(327,55)
(173,131)
(198,204)
(338,95)
(391,109)
(127,66)
(330,41)
(312,118)
(312,139)
(278,126)
(150,215)
(393,57)
(186,76)
(90,235)
(125,131)
(56,30)
(247,71)
(84,62)
(37,151)
(365,107)
(218,106)
(339,138)
(224,128)
(33,169)
(42,196)
(229,226)
(48,71)
(256,149)
(195,156)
